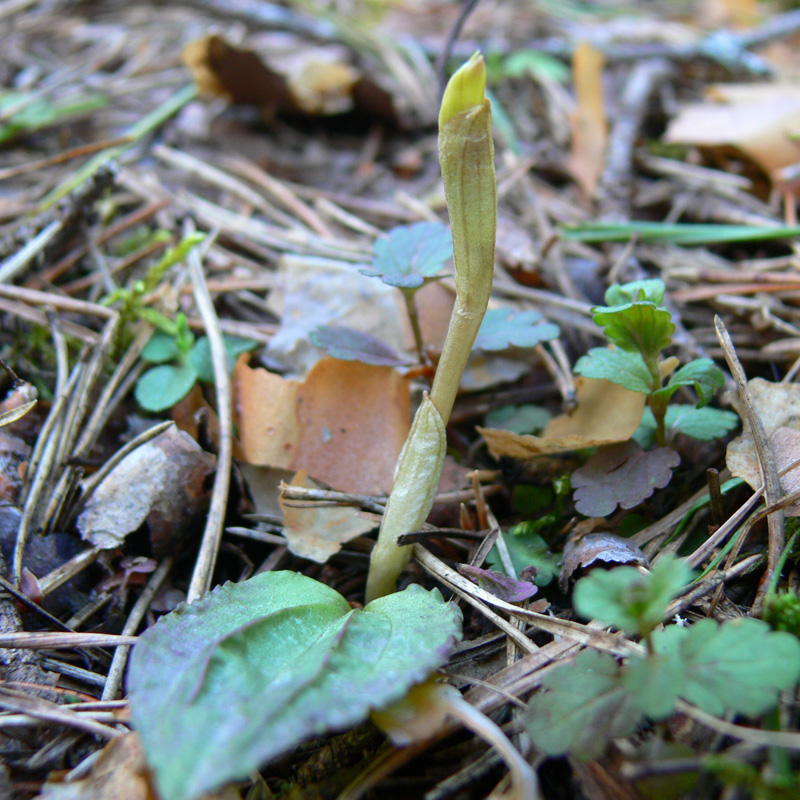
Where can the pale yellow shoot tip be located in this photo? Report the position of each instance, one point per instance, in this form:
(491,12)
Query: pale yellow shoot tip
(465,90)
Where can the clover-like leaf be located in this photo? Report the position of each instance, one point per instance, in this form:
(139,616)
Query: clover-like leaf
(163,386)
(639,327)
(704,423)
(702,374)
(200,354)
(585,708)
(504,327)
(621,474)
(739,666)
(651,290)
(161,347)
(220,687)
(656,682)
(411,254)
(348,344)
(618,366)
(625,598)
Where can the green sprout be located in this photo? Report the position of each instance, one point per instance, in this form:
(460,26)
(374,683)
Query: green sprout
(639,327)
(466,152)
(168,383)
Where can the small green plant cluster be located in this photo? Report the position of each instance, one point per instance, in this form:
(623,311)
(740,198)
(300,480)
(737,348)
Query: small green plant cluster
(738,666)
(782,611)
(639,328)
(168,383)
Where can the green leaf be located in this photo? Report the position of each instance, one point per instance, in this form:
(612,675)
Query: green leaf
(655,682)
(200,354)
(527,550)
(638,327)
(220,687)
(503,328)
(518,419)
(702,374)
(704,424)
(680,233)
(163,386)
(740,665)
(412,254)
(585,708)
(618,366)
(628,600)
(161,347)
(535,64)
(349,344)
(651,290)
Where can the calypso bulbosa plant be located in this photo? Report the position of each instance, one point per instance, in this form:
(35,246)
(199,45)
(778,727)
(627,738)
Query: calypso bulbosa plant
(466,153)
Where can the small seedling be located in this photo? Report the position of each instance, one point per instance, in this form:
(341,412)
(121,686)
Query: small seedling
(168,383)
(738,666)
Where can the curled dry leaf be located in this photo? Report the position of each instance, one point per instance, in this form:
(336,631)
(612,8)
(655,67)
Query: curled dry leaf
(607,548)
(345,424)
(163,483)
(778,406)
(317,531)
(606,413)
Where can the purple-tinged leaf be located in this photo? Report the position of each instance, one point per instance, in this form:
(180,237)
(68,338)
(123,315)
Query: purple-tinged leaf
(349,344)
(500,585)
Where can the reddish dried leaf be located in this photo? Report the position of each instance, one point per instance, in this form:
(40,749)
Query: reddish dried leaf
(621,474)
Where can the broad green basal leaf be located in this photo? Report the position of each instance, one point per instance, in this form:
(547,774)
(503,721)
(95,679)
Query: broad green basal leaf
(412,254)
(222,686)
(161,347)
(163,386)
(586,707)
(618,366)
(504,327)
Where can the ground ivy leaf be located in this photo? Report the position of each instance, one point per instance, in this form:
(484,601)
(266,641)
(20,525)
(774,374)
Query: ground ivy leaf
(349,344)
(219,687)
(656,682)
(411,254)
(618,366)
(163,386)
(702,374)
(704,423)
(621,474)
(740,665)
(651,290)
(200,354)
(628,600)
(160,347)
(504,327)
(640,327)
(518,419)
(585,708)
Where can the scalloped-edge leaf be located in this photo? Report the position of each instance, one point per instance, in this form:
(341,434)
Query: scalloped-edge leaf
(411,254)
(740,665)
(621,474)
(651,290)
(163,386)
(702,374)
(642,327)
(622,367)
(585,708)
(348,344)
(224,685)
(504,327)
(705,424)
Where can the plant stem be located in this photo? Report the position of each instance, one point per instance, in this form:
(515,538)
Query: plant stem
(413,318)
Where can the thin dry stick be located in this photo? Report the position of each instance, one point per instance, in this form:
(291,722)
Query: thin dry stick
(766,462)
(206,558)
(62,641)
(117,668)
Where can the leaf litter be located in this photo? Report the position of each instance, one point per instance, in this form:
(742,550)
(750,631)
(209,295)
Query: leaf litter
(312,165)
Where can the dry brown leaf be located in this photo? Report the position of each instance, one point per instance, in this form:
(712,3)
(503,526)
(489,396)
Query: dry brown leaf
(778,406)
(345,425)
(162,483)
(606,413)
(354,419)
(316,531)
(605,547)
(588,122)
(757,119)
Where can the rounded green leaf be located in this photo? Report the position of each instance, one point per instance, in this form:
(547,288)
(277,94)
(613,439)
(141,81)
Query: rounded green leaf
(163,386)
(504,327)
(222,686)
(161,347)
(618,366)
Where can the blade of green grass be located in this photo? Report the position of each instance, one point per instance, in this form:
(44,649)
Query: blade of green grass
(686,233)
